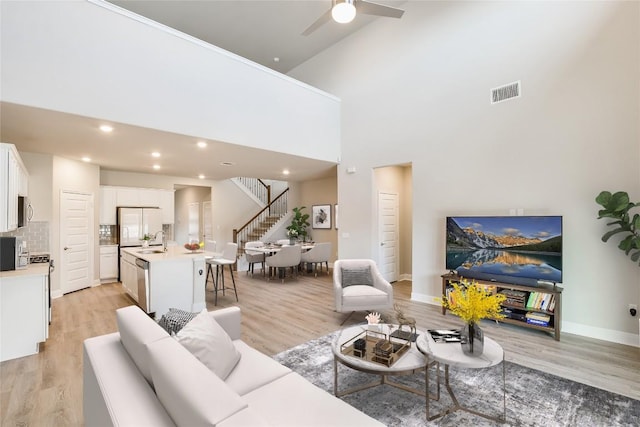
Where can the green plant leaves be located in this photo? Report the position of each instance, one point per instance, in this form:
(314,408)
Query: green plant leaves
(617,206)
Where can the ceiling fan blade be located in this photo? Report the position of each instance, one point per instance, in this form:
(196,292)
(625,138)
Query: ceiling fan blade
(369,8)
(318,23)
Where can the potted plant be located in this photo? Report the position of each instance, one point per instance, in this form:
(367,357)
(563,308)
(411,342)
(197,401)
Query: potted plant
(299,224)
(145,240)
(472,303)
(617,207)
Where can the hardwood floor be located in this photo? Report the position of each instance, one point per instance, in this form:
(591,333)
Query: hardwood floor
(46,389)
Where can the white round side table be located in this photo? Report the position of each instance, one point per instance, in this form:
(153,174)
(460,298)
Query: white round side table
(450,354)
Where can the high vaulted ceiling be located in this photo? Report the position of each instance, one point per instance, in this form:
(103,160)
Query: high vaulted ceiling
(259,30)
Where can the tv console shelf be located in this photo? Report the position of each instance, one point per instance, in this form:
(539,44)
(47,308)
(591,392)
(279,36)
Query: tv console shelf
(554,315)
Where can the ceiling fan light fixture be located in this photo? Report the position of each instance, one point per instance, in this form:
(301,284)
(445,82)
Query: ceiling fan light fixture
(343,12)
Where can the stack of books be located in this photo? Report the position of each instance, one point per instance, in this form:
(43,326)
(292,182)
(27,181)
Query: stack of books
(540,319)
(541,301)
(514,298)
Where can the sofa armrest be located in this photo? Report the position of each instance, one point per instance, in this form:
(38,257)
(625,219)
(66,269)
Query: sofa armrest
(229,318)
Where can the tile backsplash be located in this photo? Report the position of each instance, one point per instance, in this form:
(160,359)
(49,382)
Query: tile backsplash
(36,234)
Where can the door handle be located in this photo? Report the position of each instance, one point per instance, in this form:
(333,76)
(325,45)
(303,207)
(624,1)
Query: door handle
(65,248)
(382,244)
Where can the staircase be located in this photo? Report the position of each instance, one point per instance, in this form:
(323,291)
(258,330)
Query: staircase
(265,219)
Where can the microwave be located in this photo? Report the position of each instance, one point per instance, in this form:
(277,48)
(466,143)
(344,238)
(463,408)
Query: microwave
(13,254)
(25,211)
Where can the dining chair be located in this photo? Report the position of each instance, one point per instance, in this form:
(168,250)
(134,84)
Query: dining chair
(319,254)
(286,257)
(254,257)
(228,258)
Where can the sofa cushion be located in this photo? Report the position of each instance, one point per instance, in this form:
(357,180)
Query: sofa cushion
(136,330)
(364,297)
(206,340)
(356,276)
(175,319)
(188,390)
(114,390)
(293,401)
(254,370)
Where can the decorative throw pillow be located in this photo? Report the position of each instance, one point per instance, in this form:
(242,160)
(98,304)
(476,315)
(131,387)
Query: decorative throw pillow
(175,319)
(211,344)
(357,276)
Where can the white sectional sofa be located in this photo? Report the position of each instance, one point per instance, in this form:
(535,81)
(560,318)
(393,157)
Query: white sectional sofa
(140,376)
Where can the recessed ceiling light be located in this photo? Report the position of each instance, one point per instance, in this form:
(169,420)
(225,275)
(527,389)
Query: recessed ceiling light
(276,59)
(201,176)
(202,144)
(156,167)
(285,172)
(106,128)
(227,163)
(86,159)
(155,154)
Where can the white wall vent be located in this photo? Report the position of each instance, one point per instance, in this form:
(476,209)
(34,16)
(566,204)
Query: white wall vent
(506,92)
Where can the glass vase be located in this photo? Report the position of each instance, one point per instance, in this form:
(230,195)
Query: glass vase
(472,340)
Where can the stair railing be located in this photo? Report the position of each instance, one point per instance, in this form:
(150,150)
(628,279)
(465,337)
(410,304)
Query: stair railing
(261,222)
(258,188)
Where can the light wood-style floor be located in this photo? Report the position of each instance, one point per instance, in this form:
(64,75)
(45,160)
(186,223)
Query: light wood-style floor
(46,389)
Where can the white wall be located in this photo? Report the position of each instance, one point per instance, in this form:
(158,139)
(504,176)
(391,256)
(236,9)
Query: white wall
(422,96)
(96,60)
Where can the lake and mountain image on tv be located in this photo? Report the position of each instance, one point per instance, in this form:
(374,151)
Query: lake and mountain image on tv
(515,249)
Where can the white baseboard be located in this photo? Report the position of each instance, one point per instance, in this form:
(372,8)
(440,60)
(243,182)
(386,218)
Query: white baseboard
(566,327)
(56,294)
(405,276)
(601,333)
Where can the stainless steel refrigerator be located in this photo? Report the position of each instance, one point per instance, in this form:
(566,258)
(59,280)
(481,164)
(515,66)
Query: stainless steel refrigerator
(134,223)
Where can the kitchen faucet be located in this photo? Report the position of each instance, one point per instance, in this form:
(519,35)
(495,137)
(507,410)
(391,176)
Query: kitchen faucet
(164,239)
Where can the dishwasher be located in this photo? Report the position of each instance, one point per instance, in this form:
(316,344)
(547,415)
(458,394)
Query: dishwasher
(142,275)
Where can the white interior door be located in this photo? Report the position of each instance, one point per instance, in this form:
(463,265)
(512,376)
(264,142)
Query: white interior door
(388,231)
(194,222)
(207,226)
(76,223)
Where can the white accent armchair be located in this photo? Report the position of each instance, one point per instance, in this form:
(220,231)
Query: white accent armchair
(359,286)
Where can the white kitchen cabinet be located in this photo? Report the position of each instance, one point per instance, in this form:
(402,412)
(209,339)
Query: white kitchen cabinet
(167,204)
(149,197)
(108,263)
(13,182)
(128,197)
(24,321)
(108,205)
(128,275)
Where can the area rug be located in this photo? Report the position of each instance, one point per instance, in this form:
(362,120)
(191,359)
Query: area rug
(533,398)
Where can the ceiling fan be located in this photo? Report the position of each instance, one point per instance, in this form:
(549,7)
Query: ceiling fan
(343,11)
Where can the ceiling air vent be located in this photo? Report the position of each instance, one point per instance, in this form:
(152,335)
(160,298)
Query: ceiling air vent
(506,92)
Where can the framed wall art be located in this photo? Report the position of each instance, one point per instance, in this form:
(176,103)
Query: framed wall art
(321,216)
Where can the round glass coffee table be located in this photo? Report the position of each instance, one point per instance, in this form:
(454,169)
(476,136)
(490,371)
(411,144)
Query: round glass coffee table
(450,354)
(410,362)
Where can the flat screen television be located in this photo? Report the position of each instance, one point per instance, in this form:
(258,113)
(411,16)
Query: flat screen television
(511,249)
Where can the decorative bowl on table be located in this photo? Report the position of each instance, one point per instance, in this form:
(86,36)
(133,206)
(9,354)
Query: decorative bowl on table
(193,247)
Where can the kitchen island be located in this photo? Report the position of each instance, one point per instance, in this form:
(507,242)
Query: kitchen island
(159,280)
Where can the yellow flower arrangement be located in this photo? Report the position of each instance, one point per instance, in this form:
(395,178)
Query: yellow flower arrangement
(473,302)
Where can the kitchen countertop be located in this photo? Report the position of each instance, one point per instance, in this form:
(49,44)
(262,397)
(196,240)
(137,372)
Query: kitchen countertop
(173,253)
(32,270)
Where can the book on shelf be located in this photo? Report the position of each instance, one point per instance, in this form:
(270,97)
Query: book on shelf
(542,317)
(537,322)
